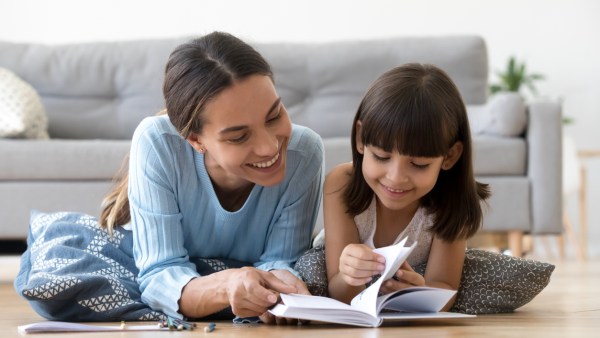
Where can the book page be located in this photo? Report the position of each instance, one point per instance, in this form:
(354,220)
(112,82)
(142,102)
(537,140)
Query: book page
(54,326)
(322,309)
(416,299)
(394,255)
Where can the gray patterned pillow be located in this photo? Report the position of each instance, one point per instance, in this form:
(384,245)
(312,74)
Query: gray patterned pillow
(74,270)
(491,283)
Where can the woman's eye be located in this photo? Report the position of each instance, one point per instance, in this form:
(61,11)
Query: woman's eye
(239,139)
(275,118)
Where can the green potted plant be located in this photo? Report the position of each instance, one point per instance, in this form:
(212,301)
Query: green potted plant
(515,77)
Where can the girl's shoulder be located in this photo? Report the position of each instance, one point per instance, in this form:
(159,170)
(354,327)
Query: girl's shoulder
(338,178)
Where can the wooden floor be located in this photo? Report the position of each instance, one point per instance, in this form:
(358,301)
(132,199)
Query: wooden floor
(568,307)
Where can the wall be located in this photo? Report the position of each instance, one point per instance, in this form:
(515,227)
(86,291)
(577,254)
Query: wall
(556,38)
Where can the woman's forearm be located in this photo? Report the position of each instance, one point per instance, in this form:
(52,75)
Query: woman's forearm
(205,295)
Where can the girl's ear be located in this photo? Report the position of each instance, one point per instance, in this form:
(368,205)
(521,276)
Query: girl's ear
(453,155)
(359,144)
(194,141)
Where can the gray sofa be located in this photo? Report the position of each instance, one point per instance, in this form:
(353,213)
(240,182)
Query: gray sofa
(95,94)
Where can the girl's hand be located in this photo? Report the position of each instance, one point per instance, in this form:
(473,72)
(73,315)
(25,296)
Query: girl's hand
(288,278)
(404,278)
(358,264)
(251,292)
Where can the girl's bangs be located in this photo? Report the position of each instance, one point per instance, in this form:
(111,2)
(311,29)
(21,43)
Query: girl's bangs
(410,132)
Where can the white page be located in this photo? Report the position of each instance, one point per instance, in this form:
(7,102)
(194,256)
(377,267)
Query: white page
(53,326)
(322,309)
(394,255)
(416,299)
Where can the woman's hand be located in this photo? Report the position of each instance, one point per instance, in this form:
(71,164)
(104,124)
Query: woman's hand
(288,278)
(251,292)
(405,277)
(358,264)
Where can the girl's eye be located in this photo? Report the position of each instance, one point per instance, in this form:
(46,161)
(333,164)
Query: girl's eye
(420,166)
(239,139)
(380,158)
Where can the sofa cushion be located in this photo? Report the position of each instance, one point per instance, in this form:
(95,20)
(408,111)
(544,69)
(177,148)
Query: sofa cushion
(22,114)
(61,159)
(104,89)
(322,84)
(494,155)
(93,90)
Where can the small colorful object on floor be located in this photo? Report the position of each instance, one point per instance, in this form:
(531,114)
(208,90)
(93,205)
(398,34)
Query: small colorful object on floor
(176,324)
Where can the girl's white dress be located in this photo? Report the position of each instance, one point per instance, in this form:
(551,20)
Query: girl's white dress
(417,230)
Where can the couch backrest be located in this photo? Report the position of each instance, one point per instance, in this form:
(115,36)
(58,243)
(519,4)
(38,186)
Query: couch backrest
(103,89)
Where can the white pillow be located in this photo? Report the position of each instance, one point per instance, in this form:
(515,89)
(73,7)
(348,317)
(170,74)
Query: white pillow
(22,114)
(505,114)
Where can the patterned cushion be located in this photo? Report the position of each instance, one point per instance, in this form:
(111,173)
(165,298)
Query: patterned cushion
(491,283)
(22,114)
(74,270)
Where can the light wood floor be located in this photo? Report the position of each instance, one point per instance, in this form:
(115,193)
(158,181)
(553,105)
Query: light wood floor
(568,307)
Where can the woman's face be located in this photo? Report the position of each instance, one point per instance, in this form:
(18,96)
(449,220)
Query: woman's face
(245,136)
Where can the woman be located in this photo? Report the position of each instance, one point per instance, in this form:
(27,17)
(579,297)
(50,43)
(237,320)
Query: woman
(224,174)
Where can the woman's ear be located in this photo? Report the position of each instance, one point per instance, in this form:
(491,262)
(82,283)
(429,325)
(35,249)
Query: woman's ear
(453,156)
(359,144)
(194,141)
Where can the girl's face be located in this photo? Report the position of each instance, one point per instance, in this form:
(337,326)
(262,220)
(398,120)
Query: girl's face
(399,181)
(245,136)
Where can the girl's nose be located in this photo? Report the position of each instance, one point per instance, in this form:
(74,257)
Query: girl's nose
(396,172)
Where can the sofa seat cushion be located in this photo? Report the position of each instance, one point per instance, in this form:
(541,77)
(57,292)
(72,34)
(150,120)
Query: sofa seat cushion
(61,159)
(499,155)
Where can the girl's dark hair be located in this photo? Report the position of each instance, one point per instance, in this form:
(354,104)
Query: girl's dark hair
(416,110)
(196,72)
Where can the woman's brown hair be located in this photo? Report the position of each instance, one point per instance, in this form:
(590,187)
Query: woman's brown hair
(196,72)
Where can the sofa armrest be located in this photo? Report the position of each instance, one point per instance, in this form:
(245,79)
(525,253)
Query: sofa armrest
(544,166)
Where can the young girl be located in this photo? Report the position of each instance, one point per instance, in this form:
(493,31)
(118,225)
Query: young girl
(411,176)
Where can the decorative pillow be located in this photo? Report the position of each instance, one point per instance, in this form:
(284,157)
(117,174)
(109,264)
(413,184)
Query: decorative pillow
(496,283)
(490,283)
(505,114)
(22,114)
(311,267)
(74,270)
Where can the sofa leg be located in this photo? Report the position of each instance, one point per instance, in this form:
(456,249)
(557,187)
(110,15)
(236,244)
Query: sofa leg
(515,242)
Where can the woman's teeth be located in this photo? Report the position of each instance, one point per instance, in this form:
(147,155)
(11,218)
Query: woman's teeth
(266,164)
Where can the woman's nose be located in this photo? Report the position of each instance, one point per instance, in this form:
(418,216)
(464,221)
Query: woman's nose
(266,144)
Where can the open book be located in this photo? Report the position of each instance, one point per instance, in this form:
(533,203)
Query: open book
(368,308)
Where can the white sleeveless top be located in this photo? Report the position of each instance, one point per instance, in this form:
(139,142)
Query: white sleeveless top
(416,230)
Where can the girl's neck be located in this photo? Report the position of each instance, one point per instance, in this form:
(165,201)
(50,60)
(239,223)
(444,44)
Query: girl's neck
(391,223)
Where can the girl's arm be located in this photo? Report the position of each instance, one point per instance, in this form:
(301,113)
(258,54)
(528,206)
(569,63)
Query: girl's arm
(445,264)
(359,263)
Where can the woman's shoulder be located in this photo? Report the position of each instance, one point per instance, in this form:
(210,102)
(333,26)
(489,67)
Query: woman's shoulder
(158,125)
(304,139)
